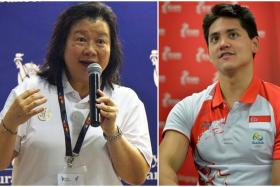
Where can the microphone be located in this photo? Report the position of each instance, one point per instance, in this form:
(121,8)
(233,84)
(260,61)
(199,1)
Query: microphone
(94,71)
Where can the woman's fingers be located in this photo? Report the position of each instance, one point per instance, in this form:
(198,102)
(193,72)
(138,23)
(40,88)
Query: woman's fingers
(108,115)
(106,108)
(33,98)
(106,100)
(100,93)
(28,93)
(34,104)
(25,106)
(36,111)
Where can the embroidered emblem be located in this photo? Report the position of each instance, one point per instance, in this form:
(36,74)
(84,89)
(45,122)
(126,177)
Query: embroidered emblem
(45,115)
(257,138)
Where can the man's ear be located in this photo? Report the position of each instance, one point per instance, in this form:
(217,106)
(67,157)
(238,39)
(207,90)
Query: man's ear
(255,44)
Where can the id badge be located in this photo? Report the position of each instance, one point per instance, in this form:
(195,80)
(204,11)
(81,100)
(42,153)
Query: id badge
(72,176)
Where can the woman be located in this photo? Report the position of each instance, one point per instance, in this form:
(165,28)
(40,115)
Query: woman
(45,118)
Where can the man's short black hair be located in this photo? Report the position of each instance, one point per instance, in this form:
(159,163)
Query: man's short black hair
(243,14)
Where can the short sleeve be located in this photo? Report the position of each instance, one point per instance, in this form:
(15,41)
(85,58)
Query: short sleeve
(181,117)
(276,148)
(134,122)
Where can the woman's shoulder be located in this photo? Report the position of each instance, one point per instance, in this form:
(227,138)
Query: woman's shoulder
(123,89)
(124,92)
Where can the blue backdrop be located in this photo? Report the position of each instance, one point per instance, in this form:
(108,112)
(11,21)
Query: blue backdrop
(27,27)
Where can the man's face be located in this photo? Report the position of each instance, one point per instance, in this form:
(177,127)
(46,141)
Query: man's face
(230,47)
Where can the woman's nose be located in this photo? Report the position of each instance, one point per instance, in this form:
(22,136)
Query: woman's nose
(90,50)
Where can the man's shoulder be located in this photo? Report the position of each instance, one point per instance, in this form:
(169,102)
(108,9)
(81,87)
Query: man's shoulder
(271,93)
(271,87)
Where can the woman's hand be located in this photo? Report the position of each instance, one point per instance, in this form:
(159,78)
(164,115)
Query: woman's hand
(108,112)
(24,107)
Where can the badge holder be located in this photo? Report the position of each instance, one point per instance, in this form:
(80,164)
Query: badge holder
(72,175)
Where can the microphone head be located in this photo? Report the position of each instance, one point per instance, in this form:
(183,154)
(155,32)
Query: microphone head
(94,68)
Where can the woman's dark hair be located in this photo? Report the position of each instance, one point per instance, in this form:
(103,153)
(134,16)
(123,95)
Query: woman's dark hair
(54,65)
(243,14)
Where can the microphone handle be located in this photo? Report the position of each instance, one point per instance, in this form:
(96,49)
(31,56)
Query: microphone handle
(94,112)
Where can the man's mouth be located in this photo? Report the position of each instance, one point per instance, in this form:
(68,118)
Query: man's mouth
(225,54)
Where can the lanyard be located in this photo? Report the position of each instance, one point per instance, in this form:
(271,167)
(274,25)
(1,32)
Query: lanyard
(70,155)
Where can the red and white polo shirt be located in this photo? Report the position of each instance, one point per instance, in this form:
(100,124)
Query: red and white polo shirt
(231,147)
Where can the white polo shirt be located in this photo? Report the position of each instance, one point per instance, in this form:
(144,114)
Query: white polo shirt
(231,147)
(41,143)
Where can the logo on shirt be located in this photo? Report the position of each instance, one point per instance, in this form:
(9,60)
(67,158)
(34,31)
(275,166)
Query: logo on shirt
(256,119)
(45,115)
(257,138)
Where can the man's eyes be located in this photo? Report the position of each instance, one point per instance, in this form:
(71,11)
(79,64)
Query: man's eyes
(214,39)
(233,35)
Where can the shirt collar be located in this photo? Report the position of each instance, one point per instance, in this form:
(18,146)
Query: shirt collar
(248,97)
(251,93)
(70,92)
(67,88)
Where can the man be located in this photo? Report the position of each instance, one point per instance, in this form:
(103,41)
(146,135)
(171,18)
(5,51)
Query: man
(233,125)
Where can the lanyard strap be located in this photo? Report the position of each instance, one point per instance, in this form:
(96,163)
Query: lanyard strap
(69,153)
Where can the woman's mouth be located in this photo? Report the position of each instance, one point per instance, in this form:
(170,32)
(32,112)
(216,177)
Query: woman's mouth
(86,62)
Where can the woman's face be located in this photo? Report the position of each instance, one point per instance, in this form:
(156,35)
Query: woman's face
(88,42)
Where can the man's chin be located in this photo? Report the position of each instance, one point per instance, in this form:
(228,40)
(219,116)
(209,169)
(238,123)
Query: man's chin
(228,69)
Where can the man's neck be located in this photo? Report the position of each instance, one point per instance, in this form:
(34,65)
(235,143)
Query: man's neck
(234,86)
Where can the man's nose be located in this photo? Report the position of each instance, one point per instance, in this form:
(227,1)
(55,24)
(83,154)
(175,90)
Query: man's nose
(224,43)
